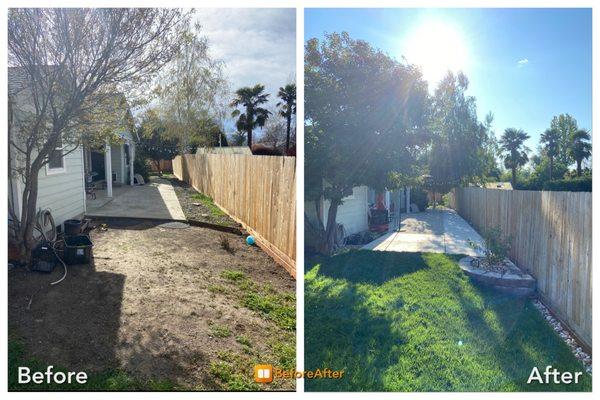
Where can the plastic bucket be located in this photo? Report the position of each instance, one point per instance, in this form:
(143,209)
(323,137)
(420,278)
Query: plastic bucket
(72,227)
(78,249)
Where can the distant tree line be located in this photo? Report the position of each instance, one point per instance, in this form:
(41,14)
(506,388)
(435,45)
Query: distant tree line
(562,146)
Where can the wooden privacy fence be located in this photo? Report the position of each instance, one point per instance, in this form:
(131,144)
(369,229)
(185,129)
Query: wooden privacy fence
(551,239)
(259,192)
(163,165)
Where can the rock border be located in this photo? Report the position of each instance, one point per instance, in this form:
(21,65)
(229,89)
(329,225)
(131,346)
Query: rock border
(519,284)
(564,334)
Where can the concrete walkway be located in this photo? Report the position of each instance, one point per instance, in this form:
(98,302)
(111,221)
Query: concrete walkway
(156,199)
(433,231)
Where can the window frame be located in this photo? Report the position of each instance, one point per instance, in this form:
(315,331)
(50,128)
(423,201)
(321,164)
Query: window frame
(61,170)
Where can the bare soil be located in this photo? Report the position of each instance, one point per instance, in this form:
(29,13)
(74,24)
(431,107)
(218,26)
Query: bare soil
(196,209)
(160,304)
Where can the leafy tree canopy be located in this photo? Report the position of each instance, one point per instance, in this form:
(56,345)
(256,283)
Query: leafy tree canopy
(458,153)
(566,126)
(366,116)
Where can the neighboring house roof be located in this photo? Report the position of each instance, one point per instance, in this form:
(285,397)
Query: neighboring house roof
(499,185)
(225,150)
(112,103)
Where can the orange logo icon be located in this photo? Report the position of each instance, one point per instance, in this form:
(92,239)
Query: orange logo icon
(263,373)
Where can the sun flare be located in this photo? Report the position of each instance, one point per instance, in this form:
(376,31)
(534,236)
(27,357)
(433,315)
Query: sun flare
(437,46)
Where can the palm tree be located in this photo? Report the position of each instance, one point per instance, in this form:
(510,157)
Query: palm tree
(580,147)
(516,152)
(254,116)
(288,108)
(551,139)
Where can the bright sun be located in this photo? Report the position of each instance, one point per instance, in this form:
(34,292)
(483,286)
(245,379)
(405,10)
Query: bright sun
(437,47)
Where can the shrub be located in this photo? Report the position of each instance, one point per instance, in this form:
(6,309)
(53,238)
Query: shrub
(579,184)
(497,246)
(528,184)
(446,200)
(141,167)
(418,196)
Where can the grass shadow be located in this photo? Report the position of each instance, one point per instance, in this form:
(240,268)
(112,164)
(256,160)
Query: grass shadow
(372,267)
(415,322)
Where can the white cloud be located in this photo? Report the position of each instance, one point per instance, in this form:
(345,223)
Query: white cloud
(522,62)
(258,45)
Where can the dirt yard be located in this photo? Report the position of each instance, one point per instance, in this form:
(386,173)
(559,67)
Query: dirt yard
(162,304)
(197,206)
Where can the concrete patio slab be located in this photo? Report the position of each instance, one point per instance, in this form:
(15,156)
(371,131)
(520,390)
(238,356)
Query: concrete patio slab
(157,199)
(432,231)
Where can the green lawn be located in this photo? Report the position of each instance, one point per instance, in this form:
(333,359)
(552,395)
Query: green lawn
(414,322)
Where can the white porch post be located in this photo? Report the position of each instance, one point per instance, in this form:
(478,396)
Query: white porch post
(131,158)
(408,199)
(108,170)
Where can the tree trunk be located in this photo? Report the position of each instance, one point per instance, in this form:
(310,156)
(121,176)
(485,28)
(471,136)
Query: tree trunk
(514,177)
(28,217)
(579,167)
(249,120)
(331,228)
(287,137)
(157,164)
(249,134)
(319,216)
(551,166)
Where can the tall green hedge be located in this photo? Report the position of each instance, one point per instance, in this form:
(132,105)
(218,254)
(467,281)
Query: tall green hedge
(580,184)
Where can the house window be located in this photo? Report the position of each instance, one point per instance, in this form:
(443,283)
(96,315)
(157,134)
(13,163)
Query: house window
(56,159)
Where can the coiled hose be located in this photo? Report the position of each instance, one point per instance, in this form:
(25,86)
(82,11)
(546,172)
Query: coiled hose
(42,219)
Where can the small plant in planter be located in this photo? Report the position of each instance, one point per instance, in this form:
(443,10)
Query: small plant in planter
(496,248)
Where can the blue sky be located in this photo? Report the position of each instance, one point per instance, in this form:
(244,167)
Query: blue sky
(524,65)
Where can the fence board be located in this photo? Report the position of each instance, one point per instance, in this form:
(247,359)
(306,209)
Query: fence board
(163,165)
(551,239)
(259,192)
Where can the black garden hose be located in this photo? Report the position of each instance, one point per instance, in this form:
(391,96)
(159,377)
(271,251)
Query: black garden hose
(44,217)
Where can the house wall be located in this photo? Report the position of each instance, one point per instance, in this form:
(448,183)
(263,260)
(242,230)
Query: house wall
(63,193)
(353,213)
(116,155)
(119,160)
(126,167)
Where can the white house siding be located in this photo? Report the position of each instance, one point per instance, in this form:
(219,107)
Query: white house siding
(63,193)
(126,167)
(116,155)
(119,159)
(353,213)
